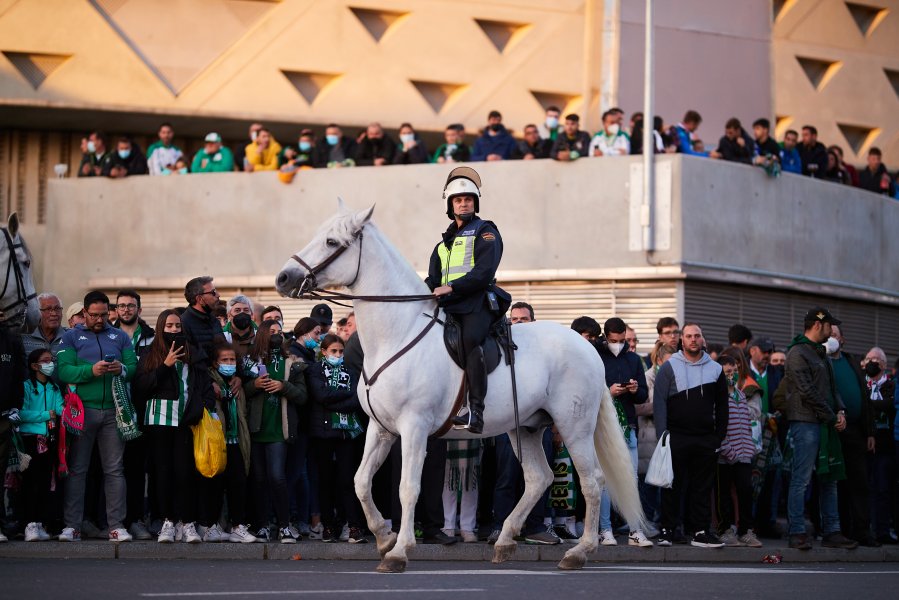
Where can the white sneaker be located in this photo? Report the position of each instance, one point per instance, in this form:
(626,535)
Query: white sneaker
(70,534)
(606,538)
(3,538)
(215,534)
(242,535)
(32,533)
(43,532)
(315,533)
(179,531)
(119,535)
(190,534)
(345,533)
(166,533)
(637,538)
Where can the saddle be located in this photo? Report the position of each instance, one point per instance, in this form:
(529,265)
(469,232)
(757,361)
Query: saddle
(496,345)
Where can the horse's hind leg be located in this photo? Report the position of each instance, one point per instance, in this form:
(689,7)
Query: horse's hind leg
(583,455)
(537,477)
(377,445)
(414,444)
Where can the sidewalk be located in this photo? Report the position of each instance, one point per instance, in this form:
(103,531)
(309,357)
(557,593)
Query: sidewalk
(315,550)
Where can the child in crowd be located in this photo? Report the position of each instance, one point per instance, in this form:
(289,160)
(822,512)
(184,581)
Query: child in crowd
(335,444)
(42,406)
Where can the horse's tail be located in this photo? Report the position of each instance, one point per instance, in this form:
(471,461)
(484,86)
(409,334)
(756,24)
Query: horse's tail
(615,460)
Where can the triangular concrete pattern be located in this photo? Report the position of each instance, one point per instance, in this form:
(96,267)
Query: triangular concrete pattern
(35,67)
(818,71)
(308,84)
(857,136)
(557,99)
(200,39)
(866,17)
(500,33)
(377,22)
(437,94)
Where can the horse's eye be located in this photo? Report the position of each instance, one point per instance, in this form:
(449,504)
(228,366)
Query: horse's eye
(26,264)
(332,243)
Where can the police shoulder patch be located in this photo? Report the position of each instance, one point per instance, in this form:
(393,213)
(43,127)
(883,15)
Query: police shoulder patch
(488,237)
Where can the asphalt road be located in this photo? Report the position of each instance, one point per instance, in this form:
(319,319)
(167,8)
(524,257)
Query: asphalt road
(146,579)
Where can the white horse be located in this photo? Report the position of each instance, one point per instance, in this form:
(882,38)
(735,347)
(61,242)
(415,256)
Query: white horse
(18,300)
(560,379)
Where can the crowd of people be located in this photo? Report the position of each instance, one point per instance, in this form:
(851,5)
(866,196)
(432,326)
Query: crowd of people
(555,138)
(99,408)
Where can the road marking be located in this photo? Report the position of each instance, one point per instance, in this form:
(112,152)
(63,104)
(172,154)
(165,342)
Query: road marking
(446,572)
(306,592)
(734,570)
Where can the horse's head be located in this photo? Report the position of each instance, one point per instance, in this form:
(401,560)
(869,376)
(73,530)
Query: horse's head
(18,300)
(327,261)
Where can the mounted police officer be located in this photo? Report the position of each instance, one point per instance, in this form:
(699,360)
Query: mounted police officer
(462,274)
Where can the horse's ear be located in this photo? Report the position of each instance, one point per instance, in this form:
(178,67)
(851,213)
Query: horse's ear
(362,217)
(341,205)
(13,224)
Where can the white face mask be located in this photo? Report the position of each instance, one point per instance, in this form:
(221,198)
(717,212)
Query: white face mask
(614,128)
(616,347)
(552,122)
(831,346)
(407,138)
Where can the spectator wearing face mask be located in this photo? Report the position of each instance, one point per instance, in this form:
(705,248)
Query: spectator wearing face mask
(95,152)
(376,148)
(335,150)
(127,159)
(262,153)
(299,156)
(240,329)
(411,150)
(626,379)
(550,128)
(881,389)
(274,396)
(495,143)
(610,140)
(307,334)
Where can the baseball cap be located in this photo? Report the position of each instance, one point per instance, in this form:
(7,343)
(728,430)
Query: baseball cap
(74,310)
(214,138)
(763,344)
(322,313)
(819,313)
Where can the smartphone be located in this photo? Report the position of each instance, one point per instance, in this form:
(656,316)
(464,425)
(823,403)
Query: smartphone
(263,371)
(109,358)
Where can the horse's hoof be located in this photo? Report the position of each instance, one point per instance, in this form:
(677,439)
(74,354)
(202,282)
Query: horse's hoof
(502,553)
(388,544)
(573,562)
(392,565)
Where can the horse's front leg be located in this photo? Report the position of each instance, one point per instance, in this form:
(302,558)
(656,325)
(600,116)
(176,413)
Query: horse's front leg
(414,448)
(377,445)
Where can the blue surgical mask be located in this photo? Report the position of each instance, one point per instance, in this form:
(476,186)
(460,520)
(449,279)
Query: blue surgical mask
(334,361)
(48,368)
(183,170)
(228,370)
(321,338)
(332,139)
(306,146)
(407,138)
(552,122)
(92,147)
(166,171)
(311,344)
(123,154)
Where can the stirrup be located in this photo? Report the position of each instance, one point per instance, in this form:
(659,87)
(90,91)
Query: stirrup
(463,412)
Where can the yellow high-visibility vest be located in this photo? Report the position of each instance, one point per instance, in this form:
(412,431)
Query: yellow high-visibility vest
(457,260)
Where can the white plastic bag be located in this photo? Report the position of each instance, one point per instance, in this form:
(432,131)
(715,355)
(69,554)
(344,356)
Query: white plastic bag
(660,473)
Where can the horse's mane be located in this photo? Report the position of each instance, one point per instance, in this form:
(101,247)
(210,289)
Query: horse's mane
(339,227)
(22,241)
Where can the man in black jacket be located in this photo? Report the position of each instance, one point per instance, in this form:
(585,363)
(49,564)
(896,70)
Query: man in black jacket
(532,146)
(813,153)
(334,150)
(199,325)
(875,177)
(462,274)
(375,148)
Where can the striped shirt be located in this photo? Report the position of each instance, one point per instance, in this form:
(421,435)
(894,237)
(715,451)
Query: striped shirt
(738,446)
(168,412)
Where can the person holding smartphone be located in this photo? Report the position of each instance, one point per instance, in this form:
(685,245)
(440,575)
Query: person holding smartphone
(90,357)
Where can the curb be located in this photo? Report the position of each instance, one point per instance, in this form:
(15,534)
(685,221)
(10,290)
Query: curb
(479,552)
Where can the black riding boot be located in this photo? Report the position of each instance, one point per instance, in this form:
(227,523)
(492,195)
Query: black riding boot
(476,371)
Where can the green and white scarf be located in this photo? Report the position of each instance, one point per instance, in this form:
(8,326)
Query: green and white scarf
(337,378)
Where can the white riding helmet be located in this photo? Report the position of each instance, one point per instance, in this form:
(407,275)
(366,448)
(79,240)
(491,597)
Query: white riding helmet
(462,181)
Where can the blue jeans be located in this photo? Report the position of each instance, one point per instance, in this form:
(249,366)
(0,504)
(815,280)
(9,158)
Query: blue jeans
(804,438)
(605,504)
(269,472)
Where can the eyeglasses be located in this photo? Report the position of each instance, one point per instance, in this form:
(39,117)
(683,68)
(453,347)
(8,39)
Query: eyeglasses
(51,309)
(95,315)
(213,291)
(126,306)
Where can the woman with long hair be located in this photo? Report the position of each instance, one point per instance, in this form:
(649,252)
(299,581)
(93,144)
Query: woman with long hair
(175,391)
(275,389)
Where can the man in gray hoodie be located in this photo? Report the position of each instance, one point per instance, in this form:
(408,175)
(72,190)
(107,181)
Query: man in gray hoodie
(690,402)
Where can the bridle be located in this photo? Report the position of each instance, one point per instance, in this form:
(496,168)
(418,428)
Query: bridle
(308,287)
(22,297)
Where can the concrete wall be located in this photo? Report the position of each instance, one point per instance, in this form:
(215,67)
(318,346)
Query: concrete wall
(560,222)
